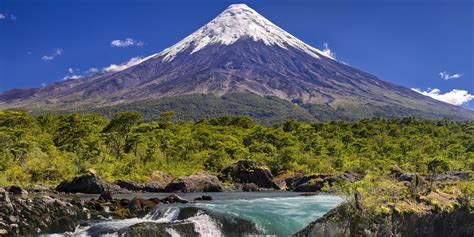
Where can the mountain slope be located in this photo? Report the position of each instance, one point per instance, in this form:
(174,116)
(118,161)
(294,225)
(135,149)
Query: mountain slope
(238,51)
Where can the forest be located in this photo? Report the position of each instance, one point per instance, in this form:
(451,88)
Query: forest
(46,149)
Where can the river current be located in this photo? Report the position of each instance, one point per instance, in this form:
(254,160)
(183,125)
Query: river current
(229,214)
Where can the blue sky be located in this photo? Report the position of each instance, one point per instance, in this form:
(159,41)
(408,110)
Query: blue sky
(418,44)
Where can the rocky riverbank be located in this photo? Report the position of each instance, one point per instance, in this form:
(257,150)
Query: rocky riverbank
(342,221)
(242,176)
(46,214)
(402,205)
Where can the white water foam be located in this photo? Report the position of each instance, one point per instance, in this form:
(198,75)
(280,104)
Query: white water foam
(205,225)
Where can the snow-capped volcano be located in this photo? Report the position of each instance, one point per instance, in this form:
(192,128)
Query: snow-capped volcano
(239,51)
(236,22)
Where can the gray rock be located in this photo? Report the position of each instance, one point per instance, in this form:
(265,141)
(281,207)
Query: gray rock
(174,198)
(195,183)
(140,187)
(88,183)
(251,187)
(407,177)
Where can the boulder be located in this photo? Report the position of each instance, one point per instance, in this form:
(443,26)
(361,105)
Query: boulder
(17,190)
(406,177)
(173,198)
(153,229)
(246,171)
(200,182)
(398,174)
(87,183)
(160,178)
(310,183)
(351,176)
(453,175)
(203,198)
(139,187)
(251,187)
(106,196)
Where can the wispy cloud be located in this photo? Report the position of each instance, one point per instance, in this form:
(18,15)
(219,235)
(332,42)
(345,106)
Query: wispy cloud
(76,73)
(327,51)
(6,16)
(115,68)
(72,76)
(126,43)
(56,53)
(91,71)
(454,97)
(446,76)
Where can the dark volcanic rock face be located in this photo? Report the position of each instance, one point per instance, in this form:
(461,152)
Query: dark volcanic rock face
(343,222)
(247,172)
(88,183)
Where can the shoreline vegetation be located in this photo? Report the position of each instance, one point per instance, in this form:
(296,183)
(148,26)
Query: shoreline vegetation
(399,175)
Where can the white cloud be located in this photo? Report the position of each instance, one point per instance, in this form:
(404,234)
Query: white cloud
(327,51)
(56,53)
(5,16)
(455,97)
(73,76)
(91,70)
(43,84)
(126,42)
(115,68)
(446,76)
(76,73)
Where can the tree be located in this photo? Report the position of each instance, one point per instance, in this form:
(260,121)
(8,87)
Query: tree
(436,166)
(118,130)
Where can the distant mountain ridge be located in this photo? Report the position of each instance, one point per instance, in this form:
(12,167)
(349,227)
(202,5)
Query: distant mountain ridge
(239,51)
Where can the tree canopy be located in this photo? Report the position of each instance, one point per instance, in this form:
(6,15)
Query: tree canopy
(48,148)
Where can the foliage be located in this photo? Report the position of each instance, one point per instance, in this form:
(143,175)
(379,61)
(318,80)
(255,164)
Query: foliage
(48,148)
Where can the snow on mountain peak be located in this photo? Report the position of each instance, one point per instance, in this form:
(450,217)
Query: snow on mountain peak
(236,22)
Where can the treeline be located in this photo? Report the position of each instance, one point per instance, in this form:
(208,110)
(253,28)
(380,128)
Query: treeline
(49,148)
(268,110)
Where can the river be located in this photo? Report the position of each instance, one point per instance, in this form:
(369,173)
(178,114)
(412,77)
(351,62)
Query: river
(229,213)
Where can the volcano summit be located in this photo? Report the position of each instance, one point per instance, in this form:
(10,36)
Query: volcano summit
(237,61)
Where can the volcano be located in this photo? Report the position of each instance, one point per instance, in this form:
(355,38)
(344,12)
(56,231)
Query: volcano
(240,53)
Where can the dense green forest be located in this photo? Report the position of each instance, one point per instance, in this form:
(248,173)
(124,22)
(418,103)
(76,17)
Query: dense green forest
(267,110)
(48,148)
